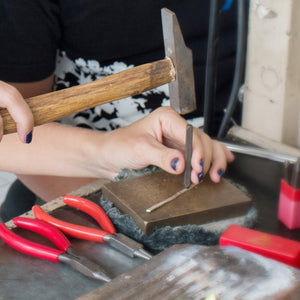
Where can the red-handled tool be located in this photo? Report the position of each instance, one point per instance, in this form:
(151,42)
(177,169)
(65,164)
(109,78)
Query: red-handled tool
(107,235)
(272,246)
(32,248)
(63,254)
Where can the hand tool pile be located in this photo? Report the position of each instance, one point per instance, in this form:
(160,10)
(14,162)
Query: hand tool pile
(107,235)
(54,230)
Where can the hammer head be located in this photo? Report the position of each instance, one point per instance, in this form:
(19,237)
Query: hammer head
(182,90)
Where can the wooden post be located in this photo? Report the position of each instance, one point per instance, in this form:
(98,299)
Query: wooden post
(272,89)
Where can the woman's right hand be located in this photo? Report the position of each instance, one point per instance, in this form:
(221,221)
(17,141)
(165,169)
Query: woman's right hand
(159,139)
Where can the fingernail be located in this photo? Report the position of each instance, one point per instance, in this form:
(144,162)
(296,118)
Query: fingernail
(174,163)
(220,172)
(200,176)
(202,163)
(29,137)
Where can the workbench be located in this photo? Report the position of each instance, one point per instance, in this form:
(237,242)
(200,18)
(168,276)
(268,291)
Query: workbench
(25,277)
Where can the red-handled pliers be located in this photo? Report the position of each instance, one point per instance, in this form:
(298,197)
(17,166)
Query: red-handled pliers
(63,254)
(107,235)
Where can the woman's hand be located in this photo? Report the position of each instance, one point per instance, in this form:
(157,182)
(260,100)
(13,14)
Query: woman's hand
(12,100)
(159,139)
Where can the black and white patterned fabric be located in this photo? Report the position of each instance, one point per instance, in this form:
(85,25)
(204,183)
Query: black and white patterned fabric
(112,115)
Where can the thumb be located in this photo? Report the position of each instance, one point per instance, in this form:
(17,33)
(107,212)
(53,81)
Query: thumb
(169,159)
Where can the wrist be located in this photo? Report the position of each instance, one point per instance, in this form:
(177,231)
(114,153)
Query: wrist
(98,154)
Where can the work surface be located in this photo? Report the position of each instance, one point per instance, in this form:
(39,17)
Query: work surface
(196,272)
(24,277)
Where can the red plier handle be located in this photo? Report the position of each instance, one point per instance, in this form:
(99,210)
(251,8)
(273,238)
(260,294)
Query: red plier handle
(78,231)
(33,248)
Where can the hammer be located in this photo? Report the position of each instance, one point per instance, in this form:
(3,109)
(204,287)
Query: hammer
(176,69)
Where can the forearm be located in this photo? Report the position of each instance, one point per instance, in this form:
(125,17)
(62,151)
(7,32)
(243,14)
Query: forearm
(55,150)
(157,139)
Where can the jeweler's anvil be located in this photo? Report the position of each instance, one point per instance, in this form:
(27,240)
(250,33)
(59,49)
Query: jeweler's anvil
(204,203)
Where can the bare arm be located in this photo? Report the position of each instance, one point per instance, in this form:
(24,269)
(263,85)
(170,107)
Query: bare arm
(157,139)
(58,150)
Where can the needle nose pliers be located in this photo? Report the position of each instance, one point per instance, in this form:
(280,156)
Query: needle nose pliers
(64,254)
(107,235)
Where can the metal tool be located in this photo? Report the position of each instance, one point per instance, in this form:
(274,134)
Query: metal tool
(64,255)
(187,171)
(182,90)
(108,235)
(188,156)
(169,199)
(176,69)
(259,152)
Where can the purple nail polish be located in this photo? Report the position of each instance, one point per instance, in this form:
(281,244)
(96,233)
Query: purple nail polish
(29,137)
(174,163)
(220,172)
(202,163)
(200,176)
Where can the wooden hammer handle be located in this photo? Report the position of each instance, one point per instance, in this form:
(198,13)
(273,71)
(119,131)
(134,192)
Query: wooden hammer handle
(53,106)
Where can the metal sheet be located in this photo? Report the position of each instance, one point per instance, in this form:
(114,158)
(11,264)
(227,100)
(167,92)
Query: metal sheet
(195,272)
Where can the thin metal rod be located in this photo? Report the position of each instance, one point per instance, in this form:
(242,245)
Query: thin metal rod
(188,156)
(171,198)
(258,152)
